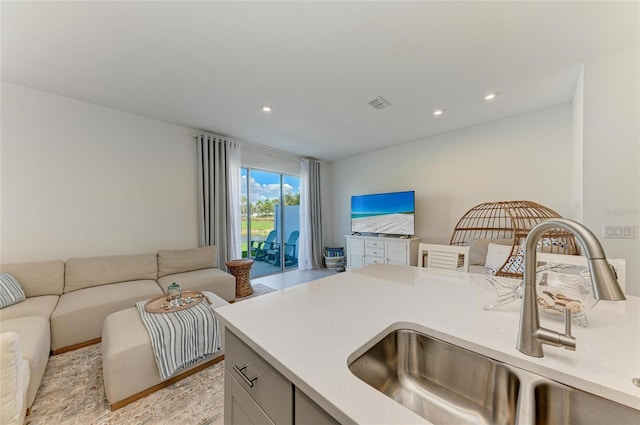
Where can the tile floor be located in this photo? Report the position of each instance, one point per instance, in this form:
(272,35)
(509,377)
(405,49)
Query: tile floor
(292,278)
(287,280)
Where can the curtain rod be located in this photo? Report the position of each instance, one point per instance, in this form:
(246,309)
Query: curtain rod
(269,151)
(254,147)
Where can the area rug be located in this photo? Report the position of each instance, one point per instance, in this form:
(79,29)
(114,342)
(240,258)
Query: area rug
(72,392)
(258,289)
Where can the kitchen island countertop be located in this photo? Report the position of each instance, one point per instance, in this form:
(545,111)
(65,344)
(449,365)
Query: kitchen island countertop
(310,332)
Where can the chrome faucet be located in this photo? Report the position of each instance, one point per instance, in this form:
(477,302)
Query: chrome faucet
(605,287)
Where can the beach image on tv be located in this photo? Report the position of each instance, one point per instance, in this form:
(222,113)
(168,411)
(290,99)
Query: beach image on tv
(389,213)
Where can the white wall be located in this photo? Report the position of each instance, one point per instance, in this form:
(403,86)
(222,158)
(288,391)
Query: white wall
(577,150)
(612,153)
(81,180)
(527,157)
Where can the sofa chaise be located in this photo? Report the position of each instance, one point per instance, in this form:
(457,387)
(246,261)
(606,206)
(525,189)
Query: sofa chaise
(67,302)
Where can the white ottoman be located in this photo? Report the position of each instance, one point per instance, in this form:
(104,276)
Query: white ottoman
(128,365)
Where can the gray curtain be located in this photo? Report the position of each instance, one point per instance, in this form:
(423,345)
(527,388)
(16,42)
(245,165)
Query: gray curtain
(311,249)
(218,216)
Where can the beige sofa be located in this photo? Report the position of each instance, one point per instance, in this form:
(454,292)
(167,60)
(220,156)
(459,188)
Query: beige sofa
(67,303)
(14,379)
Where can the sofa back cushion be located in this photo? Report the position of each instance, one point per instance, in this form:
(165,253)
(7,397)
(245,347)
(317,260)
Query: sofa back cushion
(172,261)
(39,278)
(87,272)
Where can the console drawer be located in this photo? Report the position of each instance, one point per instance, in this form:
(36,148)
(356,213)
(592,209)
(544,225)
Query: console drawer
(373,260)
(373,244)
(271,391)
(374,251)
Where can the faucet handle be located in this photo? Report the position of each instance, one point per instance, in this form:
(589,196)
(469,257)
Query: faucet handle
(567,322)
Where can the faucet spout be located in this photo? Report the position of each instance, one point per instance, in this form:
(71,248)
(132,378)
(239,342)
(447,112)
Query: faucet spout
(605,286)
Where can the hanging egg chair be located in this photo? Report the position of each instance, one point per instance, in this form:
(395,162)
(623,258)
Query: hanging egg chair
(508,223)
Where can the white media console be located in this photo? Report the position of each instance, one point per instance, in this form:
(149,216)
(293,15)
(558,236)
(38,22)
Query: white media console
(365,250)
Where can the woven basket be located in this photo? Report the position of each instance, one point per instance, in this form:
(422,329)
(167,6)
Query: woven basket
(241,269)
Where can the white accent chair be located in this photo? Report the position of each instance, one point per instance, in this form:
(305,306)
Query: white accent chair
(447,257)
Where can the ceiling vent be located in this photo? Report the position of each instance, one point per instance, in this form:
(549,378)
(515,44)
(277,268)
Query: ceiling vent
(379,103)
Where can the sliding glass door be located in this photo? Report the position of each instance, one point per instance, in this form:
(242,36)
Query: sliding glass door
(270,220)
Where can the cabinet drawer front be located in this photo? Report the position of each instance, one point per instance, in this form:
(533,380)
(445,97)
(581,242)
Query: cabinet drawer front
(272,391)
(240,408)
(373,260)
(374,251)
(373,244)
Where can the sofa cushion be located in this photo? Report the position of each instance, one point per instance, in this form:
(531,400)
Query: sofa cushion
(12,379)
(87,272)
(214,280)
(33,306)
(10,291)
(79,315)
(35,339)
(172,261)
(39,278)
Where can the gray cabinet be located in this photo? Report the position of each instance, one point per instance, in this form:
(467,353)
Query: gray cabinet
(307,412)
(239,407)
(256,393)
(256,389)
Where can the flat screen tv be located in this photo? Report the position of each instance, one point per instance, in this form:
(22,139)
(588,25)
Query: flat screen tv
(386,213)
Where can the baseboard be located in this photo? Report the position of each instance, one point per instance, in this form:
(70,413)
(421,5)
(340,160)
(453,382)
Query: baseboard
(119,404)
(77,346)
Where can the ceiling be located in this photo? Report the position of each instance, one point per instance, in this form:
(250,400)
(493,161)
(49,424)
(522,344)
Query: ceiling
(212,65)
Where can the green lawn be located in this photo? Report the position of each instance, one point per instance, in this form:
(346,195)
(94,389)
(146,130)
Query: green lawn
(259,227)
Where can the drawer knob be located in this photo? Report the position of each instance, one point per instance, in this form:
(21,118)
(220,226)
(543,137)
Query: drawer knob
(240,371)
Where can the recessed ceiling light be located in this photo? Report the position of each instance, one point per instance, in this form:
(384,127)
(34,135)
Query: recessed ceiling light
(490,96)
(438,112)
(266,108)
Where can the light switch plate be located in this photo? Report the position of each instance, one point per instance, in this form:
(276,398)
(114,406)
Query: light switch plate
(619,231)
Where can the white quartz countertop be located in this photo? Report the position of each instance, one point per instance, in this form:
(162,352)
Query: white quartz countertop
(310,332)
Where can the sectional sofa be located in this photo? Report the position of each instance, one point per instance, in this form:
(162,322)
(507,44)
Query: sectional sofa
(67,302)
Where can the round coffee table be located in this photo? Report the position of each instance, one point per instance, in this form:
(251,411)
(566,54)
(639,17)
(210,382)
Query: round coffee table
(241,269)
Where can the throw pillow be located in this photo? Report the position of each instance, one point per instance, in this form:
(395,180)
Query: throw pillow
(515,263)
(497,255)
(10,290)
(478,249)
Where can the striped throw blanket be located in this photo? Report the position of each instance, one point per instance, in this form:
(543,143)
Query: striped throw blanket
(181,338)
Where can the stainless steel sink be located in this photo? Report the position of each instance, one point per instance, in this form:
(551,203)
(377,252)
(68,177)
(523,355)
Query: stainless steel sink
(559,404)
(442,383)
(446,384)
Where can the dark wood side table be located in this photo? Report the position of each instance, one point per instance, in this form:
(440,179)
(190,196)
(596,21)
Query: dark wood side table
(241,269)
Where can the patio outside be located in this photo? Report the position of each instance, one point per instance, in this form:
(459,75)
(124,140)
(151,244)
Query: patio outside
(270,232)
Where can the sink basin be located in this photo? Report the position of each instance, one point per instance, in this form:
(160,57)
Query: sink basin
(442,383)
(559,404)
